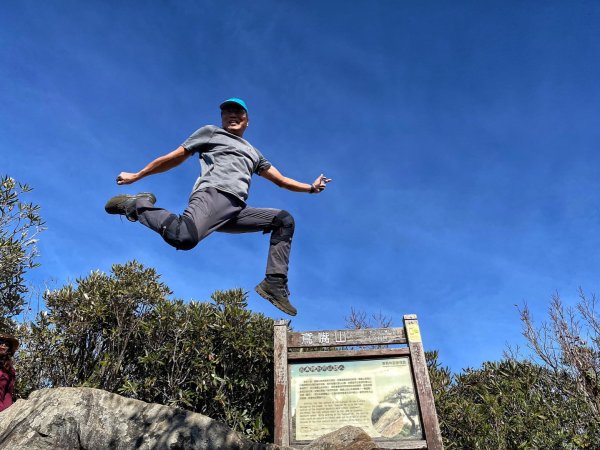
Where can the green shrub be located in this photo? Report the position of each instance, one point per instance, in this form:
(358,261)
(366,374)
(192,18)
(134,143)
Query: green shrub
(120,332)
(512,405)
(20,223)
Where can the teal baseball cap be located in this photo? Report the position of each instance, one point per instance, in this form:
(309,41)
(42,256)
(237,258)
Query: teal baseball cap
(235,101)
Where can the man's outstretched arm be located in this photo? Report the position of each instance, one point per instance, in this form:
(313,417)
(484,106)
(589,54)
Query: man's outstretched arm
(160,164)
(272,174)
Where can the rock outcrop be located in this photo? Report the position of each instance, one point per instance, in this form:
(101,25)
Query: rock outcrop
(92,419)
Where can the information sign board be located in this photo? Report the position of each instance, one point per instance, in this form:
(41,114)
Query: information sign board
(375,379)
(377,395)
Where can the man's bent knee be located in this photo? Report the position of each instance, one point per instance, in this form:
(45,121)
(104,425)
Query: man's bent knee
(180,232)
(283,227)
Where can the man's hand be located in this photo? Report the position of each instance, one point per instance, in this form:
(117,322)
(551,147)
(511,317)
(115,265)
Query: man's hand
(127,178)
(319,184)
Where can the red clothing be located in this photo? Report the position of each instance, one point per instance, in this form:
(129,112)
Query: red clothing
(7,387)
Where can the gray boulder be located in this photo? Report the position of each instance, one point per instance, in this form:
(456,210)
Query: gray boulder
(346,438)
(92,419)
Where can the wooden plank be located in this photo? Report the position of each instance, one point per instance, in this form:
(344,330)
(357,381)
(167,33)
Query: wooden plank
(282,422)
(395,445)
(340,338)
(431,426)
(349,354)
(403,445)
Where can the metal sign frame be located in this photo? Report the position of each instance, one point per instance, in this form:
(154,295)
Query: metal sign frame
(308,346)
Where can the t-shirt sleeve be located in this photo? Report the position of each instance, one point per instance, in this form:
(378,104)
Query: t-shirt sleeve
(200,137)
(263,164)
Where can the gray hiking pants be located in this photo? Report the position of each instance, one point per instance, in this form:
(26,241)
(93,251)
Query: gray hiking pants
(212,210)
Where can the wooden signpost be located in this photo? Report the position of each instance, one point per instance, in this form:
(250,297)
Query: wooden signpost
(373,378)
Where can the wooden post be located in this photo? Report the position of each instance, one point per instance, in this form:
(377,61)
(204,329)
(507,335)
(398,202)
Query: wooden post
(282,420)
(431,426)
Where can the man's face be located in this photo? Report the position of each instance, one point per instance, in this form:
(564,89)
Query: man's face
(234,119)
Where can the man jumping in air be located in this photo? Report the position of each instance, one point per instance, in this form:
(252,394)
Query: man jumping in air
(218,199)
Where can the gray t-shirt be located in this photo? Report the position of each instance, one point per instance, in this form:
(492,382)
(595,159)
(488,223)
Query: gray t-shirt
(227,161)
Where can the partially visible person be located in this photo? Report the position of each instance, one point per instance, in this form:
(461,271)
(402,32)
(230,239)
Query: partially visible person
(8,347)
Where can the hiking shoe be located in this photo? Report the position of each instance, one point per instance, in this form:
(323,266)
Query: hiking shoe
(125,204)
(275,290)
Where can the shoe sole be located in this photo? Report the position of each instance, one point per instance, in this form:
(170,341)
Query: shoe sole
(113,205)
(260,291)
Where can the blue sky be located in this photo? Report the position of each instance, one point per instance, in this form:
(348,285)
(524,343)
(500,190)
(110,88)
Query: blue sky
(462,138)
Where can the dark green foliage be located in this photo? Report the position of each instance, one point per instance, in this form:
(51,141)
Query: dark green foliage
(120,332)
(214,358)
(510,405)
(91,333)
(19,224)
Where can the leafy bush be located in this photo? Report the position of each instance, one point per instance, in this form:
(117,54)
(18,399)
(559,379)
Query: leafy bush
(510,405)
(120,332)
(214,358)
(20,222)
